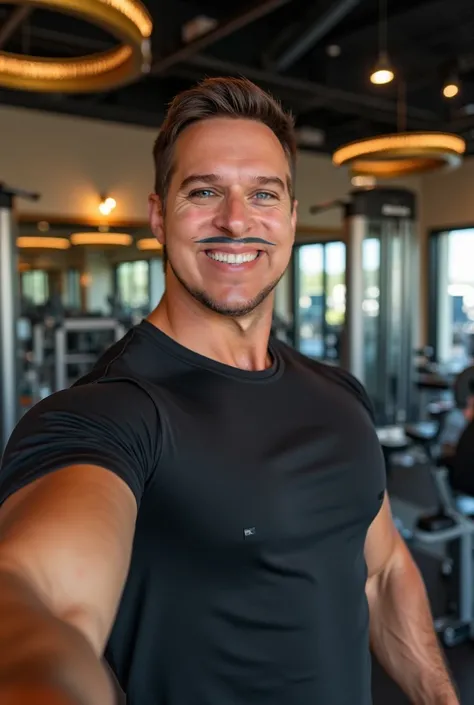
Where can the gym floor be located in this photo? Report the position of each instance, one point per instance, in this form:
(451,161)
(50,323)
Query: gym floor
(411,488)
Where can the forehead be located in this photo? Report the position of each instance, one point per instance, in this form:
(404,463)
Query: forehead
(225,145)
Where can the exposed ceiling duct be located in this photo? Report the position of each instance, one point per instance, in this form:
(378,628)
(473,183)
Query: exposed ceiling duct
(312,34)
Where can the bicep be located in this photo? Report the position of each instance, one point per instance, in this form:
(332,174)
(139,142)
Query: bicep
(382,540)
(69,534)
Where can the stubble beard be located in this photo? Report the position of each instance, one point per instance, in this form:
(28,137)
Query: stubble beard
(206,300)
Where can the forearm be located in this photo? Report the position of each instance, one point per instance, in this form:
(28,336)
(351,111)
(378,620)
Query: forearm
(403,637)
(44,655)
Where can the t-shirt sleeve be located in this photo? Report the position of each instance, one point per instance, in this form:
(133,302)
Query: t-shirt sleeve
(112,423)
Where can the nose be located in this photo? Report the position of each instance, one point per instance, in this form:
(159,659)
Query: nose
(233,216)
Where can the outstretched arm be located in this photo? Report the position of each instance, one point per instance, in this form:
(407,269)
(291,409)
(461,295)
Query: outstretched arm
(401,625)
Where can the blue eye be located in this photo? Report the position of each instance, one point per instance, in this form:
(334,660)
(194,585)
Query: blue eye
(202,193)
(264,195)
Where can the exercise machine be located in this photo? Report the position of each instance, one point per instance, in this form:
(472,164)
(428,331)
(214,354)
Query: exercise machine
(382,311)
(91,338)
(448,524)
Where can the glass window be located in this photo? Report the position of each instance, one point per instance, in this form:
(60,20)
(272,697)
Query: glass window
(133,285)
(453,297)
(320,299)
(35,287)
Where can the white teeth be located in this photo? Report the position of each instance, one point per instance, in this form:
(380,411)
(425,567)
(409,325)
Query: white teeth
(230,258)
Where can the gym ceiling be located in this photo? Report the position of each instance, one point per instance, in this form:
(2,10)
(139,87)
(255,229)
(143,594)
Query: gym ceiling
(316,56)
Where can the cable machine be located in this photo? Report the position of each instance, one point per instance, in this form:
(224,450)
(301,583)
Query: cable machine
(382,297)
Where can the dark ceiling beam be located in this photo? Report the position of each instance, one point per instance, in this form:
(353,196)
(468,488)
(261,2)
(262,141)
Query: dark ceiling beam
(313,33)
(255,12)
(14,21)
(340,100)
(405,12)
(68,40)
(65,105)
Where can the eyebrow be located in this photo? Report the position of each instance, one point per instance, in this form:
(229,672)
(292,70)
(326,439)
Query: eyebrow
(214,178)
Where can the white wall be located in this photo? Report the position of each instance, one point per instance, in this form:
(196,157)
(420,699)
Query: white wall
(71,161)
(448,197)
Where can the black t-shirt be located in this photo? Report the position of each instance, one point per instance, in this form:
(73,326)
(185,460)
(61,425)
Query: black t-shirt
(255,494)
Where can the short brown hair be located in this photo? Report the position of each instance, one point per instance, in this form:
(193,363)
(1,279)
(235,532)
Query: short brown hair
(220,97)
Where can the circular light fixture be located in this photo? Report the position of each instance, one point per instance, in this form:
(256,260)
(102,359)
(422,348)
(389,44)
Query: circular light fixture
(104,239)
(127,20)
(149,243)
(42,243)
(392,156)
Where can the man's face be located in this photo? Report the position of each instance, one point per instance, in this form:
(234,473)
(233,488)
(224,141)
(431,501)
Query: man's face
(229,224)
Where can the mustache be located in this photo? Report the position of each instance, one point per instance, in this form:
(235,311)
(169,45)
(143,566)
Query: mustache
(224,240)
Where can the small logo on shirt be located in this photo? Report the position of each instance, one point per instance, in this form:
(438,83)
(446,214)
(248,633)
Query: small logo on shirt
(251,531)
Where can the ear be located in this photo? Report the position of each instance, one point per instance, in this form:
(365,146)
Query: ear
(156,218)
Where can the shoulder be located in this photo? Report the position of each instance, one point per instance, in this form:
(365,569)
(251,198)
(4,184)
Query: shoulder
(333,375)
(112,423)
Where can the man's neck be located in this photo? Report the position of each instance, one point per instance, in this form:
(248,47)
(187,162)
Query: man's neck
(240,342)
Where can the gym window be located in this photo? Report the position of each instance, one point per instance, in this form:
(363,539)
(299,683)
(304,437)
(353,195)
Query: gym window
(319,271)
(451,296)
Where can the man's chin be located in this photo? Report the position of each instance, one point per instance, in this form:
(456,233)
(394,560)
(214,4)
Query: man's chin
(230,308)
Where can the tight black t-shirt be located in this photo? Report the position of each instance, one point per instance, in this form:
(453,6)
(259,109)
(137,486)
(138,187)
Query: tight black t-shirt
(255,493)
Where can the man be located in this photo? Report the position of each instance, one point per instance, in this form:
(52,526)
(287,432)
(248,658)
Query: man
(207,508)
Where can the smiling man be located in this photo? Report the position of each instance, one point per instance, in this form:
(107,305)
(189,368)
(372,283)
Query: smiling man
(207,508)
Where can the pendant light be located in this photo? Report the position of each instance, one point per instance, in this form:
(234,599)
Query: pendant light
(383,72)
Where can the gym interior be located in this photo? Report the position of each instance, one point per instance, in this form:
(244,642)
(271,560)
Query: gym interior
(381,279)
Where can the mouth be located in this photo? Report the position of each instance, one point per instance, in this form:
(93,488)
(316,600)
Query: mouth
(233,258)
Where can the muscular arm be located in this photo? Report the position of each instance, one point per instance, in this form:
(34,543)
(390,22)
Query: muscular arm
(401,625)
(65,544)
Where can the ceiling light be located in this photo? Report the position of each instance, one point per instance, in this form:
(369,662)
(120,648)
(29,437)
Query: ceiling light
(104,239)
(127,20)
(364,181)
(43,243)
(451,89)
(149,243)
(383,72)
(392,156)
(333,50)
(107,205)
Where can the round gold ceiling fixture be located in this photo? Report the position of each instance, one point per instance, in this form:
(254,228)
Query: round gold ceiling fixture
(402,154)
(103,239)
(149,243)
(127,20)
(36,242)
